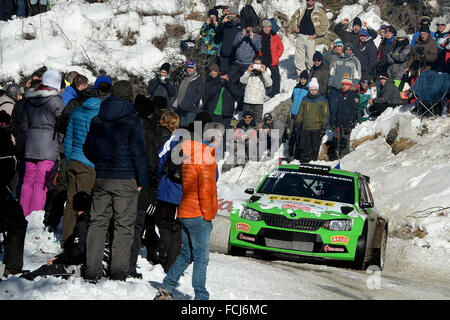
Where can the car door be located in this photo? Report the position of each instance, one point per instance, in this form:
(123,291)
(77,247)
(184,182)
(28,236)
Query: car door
(366,204)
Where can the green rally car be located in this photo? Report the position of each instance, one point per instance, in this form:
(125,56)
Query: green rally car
(314,211)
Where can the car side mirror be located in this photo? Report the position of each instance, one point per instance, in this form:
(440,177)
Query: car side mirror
(366,205)
(249,191)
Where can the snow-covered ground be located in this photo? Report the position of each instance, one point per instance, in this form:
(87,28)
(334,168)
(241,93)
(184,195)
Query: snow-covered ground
(407,187)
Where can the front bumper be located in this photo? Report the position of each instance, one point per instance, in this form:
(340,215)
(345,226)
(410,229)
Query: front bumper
(319,243)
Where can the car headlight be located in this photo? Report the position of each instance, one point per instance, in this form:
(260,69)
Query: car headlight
(250,214)
(338,225)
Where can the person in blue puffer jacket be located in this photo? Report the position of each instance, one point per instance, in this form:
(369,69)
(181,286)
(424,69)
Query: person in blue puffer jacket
(81,171)
(300,91)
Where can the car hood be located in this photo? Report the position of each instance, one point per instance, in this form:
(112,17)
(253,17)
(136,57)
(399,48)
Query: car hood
(299,207)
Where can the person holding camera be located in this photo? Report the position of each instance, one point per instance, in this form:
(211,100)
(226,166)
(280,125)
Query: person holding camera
(424,53)
(256,79)
(248,45)
(161,86)
(208,32)
(226,33)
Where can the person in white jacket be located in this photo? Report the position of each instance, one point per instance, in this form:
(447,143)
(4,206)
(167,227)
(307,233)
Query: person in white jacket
(256,79)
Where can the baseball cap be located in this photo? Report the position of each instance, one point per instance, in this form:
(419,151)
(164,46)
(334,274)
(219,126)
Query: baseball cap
(102,79)
(190,63)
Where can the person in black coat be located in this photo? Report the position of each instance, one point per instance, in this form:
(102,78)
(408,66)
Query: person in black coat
(12,219)
(344,118)
(161,86)
(226,33)
(74,250)
(220,96)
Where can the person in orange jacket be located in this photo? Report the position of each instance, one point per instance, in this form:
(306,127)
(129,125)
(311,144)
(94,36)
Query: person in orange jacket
(272,49)
(198,207)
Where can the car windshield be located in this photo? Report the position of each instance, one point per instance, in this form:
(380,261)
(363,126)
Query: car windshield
(330,187)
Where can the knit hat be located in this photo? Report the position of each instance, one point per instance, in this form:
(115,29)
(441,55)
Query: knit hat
(364,32)
(144,106)
(425,19)
(165,66)
(424,28)
(338,42)
(102,79)
(214,67)
(348,45)
(384,75)
(441,20)
(13,90)
(122,89)
(81,201)
(266,23)
(317,56)
(357,21)
(382,27)
(234,10)
(213,12)
(52,79)
(347,79)
(314,84)
(401,34)
(190,63)
(391,29)
(303,74)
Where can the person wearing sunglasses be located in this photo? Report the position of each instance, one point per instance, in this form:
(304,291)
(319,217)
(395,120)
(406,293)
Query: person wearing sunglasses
(443,31)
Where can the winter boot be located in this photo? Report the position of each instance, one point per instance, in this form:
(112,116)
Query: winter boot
(163,294)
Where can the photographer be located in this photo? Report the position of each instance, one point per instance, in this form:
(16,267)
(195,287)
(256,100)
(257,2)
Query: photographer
(424,53)
(226,33)
(161,86)
(248,45)
(257,78)
(208,33)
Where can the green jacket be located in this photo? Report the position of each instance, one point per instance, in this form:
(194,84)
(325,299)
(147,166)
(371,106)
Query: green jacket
(313,113)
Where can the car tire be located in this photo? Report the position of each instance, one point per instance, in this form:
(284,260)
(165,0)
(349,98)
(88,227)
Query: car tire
(235,251)
(360,253)
(380,253)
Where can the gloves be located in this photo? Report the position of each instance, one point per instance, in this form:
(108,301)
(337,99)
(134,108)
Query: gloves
(153,203)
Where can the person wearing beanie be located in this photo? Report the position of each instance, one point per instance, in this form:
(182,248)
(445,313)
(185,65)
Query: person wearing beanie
(321,72)
(424,53)
(311,25)
(208,33)
(12,95)
(344,117)
(382,31)
(335,51)
(442,32)
(226,33)
(162,86)
(366,52)
(300,91)
(43,107)
(69,261)
(353,36)
(115,145)
(423,21)
(272,49)
(388,96)
(190,92)
(80,171)
(220,96)
(398,57)
(310,123)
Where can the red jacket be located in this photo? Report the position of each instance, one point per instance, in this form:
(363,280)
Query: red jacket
(276,48)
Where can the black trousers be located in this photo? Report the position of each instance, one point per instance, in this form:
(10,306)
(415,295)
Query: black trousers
(14,225)
(57,195)
(48,270)
(309,145)
(170,233)
(135,248)
(276,79)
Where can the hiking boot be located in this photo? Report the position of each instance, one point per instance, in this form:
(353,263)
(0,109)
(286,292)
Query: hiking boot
(135,275)
(12,272)
(163,294)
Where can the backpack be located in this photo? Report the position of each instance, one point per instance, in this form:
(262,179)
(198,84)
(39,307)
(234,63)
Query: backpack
(172,170)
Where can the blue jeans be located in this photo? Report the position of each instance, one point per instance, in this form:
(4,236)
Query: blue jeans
(196,234)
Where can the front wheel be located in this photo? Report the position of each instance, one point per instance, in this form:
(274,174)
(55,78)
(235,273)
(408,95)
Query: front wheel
(380,253)
(360,253)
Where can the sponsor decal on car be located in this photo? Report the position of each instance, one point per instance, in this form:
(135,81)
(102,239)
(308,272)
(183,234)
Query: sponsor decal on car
(339,239)
(301,199)
(246,238)
(328,248)
(295,207)
(242,227)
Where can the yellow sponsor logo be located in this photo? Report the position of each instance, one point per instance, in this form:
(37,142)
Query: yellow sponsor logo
(300,199)
(243,227)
